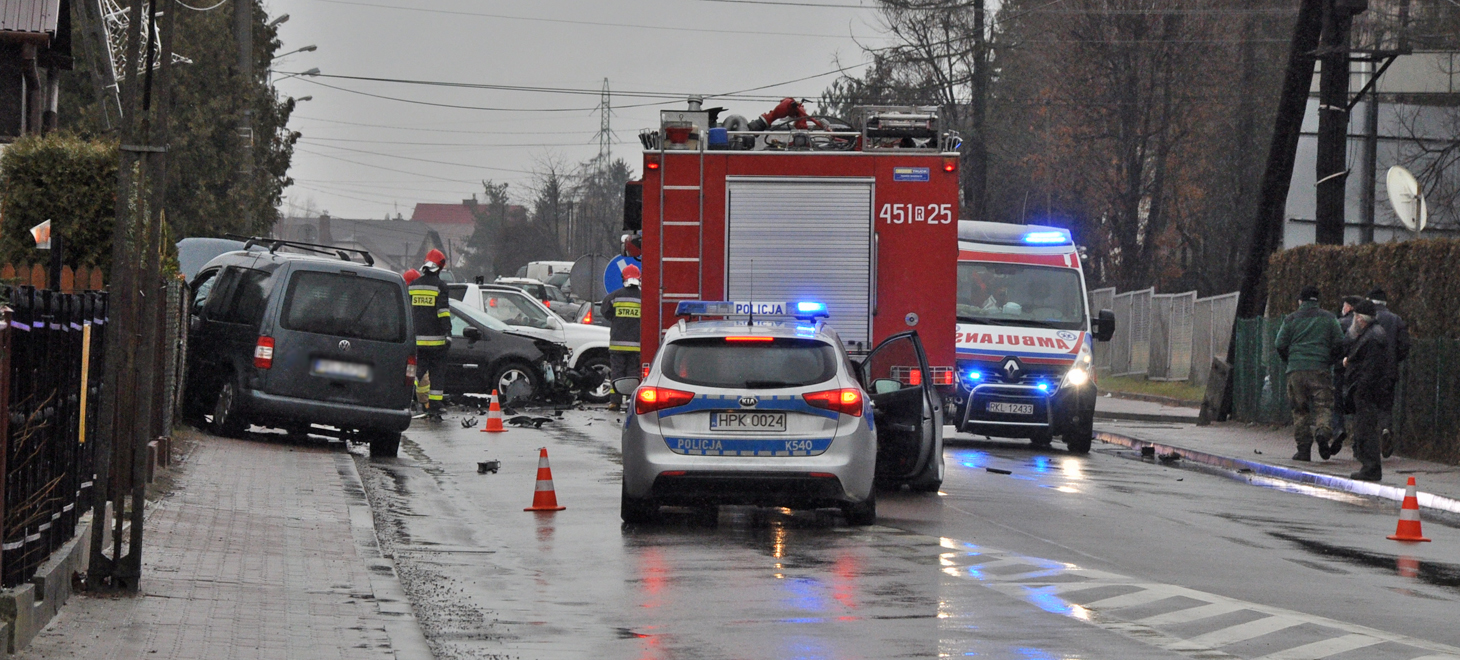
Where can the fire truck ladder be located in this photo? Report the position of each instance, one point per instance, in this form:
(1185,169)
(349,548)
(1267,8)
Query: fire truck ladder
(682,223)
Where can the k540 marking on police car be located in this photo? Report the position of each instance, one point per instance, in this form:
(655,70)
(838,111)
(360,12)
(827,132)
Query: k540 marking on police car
(901,214)
(747,447)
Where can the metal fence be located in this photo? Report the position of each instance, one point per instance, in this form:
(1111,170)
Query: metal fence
(1170,336)
(53,356)
(1211,333)
(1426,422)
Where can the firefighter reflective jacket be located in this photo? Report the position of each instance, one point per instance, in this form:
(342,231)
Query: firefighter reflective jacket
(430,311)
(621,308)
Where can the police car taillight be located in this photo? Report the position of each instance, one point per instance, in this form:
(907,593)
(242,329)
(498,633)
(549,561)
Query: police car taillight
(263,353)
(847,401)
(650,399)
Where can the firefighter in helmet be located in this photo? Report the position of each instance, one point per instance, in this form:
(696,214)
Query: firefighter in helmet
(431,316)
(621,308)
(423,386)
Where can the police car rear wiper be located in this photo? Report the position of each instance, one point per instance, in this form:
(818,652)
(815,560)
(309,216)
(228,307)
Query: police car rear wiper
(768,384)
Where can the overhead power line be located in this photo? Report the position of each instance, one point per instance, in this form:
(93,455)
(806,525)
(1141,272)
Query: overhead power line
(474,145)
(440,130)
(428,160)
(579,91)
(565,21)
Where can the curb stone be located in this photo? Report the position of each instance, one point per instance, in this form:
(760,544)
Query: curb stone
(406,638)
(1334,482)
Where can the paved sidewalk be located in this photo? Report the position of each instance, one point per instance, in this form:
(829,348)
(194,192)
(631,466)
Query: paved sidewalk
(264,550)
(1270,446)
(1111,407)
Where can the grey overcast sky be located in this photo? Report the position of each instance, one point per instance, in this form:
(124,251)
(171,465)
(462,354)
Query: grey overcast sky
(363,156)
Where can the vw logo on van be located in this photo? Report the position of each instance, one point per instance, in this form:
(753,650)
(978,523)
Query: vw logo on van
(748,401)
(345,345)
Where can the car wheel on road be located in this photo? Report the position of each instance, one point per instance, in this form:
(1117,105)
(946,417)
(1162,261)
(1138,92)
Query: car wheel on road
(227,422)
(598,364)
(862,513)
(384,444)
(1079,438)
(514,382)
(635,510)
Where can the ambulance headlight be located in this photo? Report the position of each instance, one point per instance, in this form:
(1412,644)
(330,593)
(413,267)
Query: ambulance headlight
(1076,377)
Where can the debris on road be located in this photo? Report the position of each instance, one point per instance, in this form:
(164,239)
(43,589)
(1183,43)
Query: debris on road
(526,421)
(484,467)
(468,422)
(998,471)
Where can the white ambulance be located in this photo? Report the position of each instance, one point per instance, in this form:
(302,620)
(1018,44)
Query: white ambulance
(1024,350)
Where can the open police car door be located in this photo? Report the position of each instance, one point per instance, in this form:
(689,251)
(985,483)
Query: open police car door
(909,422)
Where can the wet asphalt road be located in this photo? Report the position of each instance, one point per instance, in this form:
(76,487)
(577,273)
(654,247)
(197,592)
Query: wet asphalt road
(1100,556)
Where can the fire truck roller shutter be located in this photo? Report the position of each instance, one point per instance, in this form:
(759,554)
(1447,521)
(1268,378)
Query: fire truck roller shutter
(804,240)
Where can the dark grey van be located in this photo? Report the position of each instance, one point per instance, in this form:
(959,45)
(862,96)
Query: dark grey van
(289,340)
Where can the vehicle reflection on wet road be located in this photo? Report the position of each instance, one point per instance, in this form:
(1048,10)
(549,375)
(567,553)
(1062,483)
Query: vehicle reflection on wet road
(1066,556)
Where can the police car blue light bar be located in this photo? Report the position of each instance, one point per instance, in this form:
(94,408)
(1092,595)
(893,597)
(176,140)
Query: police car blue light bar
(1046,237)
(803,309)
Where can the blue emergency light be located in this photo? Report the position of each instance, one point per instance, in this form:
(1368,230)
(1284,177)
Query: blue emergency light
(1045,237)
(804,309)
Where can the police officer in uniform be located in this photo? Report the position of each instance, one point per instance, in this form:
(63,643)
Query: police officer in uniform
(621,308)
(431,316)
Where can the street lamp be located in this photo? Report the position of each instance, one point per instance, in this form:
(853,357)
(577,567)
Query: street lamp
(312,72)
(307,49)
(281,19)
(304,98)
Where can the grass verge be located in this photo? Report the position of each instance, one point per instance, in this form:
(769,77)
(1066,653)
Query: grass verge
(1182,390)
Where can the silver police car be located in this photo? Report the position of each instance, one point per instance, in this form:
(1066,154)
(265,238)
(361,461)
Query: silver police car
(772,413)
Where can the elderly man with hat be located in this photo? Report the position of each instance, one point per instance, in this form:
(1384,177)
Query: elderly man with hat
(1310,341)
(1369,384)
(1398,332)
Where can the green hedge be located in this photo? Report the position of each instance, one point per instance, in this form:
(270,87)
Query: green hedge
(1421,278)
(65,179)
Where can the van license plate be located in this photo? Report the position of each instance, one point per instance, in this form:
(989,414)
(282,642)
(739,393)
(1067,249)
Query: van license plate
(1011,408)
(339,369)
(747,421)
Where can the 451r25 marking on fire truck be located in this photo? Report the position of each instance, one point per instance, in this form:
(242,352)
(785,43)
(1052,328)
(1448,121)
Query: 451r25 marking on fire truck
(897,214)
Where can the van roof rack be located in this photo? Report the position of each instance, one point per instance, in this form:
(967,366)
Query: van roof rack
(275,243)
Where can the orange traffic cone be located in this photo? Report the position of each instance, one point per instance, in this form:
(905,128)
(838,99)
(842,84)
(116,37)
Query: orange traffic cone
(544,498)
(494,417)
(1409,518)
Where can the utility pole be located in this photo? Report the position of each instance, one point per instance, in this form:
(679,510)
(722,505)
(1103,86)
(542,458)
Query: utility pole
(975,180)
(1333,88)
(1287,126)
(1368,168)
(243,34)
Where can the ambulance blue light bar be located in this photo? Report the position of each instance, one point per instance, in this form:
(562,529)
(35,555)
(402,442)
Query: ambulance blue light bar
(804,309)
(1046,237)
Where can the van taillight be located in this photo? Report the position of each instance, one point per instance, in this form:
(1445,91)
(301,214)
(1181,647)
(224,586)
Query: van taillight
(411,369)
(942,376)
(263,353)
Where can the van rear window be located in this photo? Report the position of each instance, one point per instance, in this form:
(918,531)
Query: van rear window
(344,306)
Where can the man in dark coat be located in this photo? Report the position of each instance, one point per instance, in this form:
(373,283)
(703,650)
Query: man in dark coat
(1398,333)
(1340,429)
(1309,341)
(1369,383)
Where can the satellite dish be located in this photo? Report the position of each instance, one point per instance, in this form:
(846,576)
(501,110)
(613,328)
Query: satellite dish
(1405,197)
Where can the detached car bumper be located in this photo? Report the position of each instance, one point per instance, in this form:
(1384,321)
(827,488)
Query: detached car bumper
(268,408)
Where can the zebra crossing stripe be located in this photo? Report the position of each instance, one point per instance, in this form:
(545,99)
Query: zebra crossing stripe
(1056,587)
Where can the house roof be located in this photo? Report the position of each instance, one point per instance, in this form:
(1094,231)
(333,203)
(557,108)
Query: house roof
(445,214)
(36,16)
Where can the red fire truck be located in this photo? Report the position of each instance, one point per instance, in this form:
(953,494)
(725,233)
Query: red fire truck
(865,220)
(861,215)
